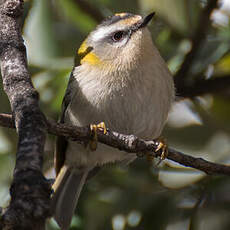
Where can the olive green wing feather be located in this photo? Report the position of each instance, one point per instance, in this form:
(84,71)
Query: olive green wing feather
(61,142)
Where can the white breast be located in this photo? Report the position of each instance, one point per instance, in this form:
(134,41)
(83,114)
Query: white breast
(134,103)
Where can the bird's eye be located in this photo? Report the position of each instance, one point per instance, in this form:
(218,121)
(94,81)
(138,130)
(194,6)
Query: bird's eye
(118,36)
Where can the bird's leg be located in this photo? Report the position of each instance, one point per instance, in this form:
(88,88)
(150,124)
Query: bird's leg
(93,127)
(163,147)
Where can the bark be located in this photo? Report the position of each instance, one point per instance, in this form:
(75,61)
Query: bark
(30,192)
(29,205)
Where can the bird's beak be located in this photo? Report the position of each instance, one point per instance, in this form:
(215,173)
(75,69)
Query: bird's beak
(146,20)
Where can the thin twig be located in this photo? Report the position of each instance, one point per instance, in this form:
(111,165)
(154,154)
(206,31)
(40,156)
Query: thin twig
(128,143)
(197,41)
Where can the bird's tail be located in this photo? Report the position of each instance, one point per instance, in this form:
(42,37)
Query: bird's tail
(67,189)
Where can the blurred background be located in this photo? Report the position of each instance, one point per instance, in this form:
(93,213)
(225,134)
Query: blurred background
(142,196)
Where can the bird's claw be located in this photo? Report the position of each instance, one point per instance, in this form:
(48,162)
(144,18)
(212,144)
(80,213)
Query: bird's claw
(93,127)
(163,147)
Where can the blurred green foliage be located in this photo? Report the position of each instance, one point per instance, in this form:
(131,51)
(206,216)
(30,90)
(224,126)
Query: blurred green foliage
(141,196)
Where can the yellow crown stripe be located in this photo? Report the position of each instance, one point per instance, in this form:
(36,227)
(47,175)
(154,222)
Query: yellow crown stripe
(121,14)
(130,20)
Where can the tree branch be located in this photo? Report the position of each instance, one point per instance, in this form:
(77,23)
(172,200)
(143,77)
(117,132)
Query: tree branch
(128,143)
(90,10)
(197,41)
(209,86)
(29,205)
(30,192)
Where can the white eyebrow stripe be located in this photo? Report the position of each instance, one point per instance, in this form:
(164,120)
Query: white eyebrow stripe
(101,33)
(104,31)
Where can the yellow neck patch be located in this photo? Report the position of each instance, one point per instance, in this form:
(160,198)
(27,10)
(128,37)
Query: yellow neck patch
(86,55)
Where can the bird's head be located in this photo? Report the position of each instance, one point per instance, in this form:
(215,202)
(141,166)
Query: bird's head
(118,42)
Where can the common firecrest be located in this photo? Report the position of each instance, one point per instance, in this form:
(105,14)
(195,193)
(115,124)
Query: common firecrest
(123,81)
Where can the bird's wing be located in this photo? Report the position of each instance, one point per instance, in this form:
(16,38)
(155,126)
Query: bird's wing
(61,142)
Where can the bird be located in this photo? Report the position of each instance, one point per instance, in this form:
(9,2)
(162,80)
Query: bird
(122,83)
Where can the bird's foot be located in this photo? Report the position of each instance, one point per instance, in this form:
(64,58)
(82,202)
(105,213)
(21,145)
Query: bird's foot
(93,127)
(162,147)
(161,150)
